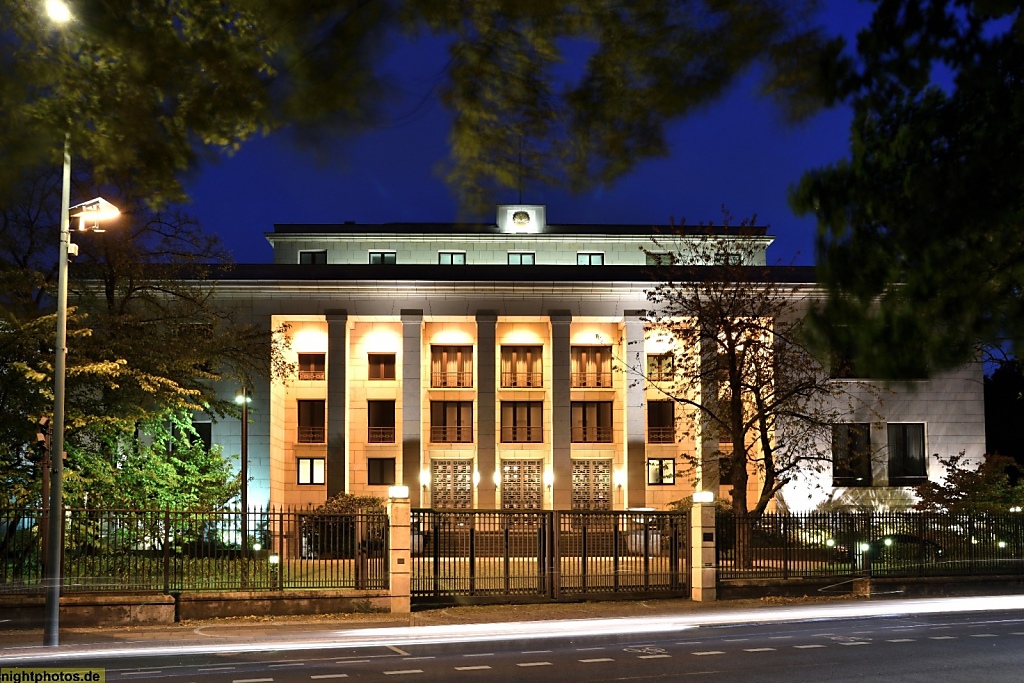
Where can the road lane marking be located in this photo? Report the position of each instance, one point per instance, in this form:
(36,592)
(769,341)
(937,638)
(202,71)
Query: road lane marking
(807,647)
(278,666)
(941,637)
(597,659)
(760,649)
(535,652)
(856,642)
(479,654)
(320,676)
(142,673)
(413,659)
(398,650)
(479,667)
(708,652)
(402,672)
(779,637)
(218,668)
(652,656)
(901,640)
(735,640)
(534,664)
(253,680)
(587,649)
(983,635)
(353,661)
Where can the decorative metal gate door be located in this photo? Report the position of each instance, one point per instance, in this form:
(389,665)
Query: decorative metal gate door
(591,484)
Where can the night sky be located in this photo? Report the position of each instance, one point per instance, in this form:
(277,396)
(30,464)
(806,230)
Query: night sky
(736,153)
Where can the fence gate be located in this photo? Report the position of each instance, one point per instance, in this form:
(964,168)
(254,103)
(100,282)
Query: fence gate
(493,555)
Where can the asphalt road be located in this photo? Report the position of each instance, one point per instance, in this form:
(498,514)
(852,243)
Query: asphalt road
(808,645)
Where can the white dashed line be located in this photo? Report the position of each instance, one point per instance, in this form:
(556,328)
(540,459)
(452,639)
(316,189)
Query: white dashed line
(402,672)
(597,659)
(320,676)
(278,666)
(398,650)
(807,647)
(587,649)
(760,649)
(414,659)
(479,654)
(653,656)
(253,680)
(708,652)
(901,640)
(736,640)
(146,673)
(941,637)
(480,667)
(535,652)
(856,642)
(353,661)
(983,635)
(217,668)
(534,664)
(779,637)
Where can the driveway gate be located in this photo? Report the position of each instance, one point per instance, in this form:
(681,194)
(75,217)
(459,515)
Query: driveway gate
(488,555)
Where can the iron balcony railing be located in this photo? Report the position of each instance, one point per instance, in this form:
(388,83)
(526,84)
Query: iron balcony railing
(661,434)
(451,379)
(522,434)
(582,380)
(311,375)
(521,380)
(458,434)
(381,435)
(591,434)
(312,435)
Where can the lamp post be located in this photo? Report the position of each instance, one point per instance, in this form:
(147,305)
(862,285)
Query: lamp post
(244,399)
(90,214)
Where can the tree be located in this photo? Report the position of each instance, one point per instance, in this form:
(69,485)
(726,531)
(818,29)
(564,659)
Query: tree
(150,90)
(972,487)
(920,229)
(147,348)
(755,399)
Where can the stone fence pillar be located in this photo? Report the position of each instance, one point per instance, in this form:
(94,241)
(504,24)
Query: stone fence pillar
(704,572)
(400,543)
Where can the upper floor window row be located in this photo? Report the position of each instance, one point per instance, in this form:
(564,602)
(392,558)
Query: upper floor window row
(591,366)
(313,257)
(383,258)
(451,258)
(522,258)
(522,367)
(451,366)
(589,258)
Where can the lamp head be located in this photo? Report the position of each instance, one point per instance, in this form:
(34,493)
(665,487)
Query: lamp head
(92,212)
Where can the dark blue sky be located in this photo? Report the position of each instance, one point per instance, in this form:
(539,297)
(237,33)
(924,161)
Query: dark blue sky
(737,153)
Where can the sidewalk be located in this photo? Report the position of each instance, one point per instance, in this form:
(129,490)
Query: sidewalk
(249,629)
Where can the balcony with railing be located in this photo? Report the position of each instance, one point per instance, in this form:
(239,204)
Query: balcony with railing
(661,435)
(312,375)
(591,434)
(521,380)
(587,380)
(451,434)
(380,435)
(312,435)
(522,434)
(457,380)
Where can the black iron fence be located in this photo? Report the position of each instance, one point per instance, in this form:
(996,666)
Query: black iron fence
(174,551)
(546,554)
(896,544)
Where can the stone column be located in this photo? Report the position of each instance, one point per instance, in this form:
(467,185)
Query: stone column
(337,400)
(486,390)
(704,573)
(399,548)
(561,410)
(412,402)
(635,424)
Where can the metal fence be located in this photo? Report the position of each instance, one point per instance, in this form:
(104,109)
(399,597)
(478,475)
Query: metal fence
(881,544)
(459,554)
(174,551)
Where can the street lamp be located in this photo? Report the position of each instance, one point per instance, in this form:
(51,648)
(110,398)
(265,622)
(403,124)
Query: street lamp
(244,399)
(90,214)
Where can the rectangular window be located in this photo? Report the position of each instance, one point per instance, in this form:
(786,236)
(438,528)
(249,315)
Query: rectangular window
(591,366)
(312,366)
(380,471)
(728,258)
(907,464)
(658,258)
(591,421)
(661,471)
(383,258)
(451,421)
(451,366)
(659,367)
(313,258)
(522,421)
(661,421)
(382,365)
(851,454)
(380,421)
(521,366)
(311,423)
(521,258)
(311,470)
(451,258)
(589,258)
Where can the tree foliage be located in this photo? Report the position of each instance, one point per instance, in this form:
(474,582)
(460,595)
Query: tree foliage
(147,346)
(741,372)
(150,90)
(920,229)
(971,487)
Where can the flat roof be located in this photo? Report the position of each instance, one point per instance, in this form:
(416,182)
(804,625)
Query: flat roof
(352,228)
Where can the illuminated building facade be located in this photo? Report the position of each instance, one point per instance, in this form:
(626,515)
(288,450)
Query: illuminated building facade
(482,366)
